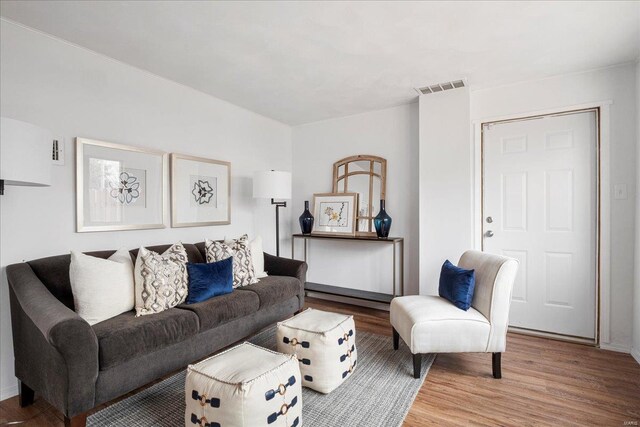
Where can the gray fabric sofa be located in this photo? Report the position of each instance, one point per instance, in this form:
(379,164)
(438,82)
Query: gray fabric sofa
(76,367)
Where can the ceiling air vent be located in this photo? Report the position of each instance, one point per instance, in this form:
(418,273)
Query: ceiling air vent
(439,87)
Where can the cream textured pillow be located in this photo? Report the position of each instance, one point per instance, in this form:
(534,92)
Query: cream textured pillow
(102,288)
(243,273)
(161,280)
(257,257)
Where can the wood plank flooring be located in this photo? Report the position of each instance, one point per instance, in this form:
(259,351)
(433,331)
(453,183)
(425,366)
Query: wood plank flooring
(544,382)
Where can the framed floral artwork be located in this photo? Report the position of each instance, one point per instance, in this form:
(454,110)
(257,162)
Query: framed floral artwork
(119,187)
(200,191)
(335,213)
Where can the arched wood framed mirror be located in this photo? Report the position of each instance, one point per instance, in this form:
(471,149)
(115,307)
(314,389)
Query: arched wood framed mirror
(365,175)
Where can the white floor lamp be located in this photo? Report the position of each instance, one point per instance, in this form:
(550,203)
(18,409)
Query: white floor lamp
(273,185)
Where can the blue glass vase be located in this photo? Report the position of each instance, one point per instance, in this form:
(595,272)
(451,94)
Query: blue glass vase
(382,222)
(306,219)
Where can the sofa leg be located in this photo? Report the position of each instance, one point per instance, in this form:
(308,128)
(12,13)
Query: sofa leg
(496,359)
(417,365)
(26,394)
(77,421)
(396,338)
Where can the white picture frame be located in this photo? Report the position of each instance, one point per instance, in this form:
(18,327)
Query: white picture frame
(335,214)
(200,191)
(119,187)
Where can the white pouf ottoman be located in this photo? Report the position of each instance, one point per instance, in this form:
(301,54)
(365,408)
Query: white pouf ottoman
(325,345)
(244,386)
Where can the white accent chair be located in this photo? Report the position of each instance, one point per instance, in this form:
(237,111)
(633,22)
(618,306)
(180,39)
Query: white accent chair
(431,324)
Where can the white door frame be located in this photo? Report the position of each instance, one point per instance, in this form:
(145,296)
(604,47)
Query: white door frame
(603,271)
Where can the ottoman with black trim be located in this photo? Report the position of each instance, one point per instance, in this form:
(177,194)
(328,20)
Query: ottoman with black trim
(325,345)
(244,386)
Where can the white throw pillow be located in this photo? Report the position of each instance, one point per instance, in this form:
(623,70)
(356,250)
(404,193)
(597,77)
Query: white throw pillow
(161,280)
(102,288)
(257,256)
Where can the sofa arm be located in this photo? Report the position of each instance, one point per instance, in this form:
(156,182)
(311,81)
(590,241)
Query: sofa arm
(278,266)
(56,351)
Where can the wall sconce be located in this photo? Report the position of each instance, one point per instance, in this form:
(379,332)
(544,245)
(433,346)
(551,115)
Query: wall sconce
(25,154)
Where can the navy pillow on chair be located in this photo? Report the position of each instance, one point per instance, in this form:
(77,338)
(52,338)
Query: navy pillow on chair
(209,280)
(457,285)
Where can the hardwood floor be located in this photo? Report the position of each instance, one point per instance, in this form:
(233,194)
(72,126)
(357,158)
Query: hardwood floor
(544,382)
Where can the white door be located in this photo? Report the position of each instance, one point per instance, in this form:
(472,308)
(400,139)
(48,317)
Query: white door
(539,206)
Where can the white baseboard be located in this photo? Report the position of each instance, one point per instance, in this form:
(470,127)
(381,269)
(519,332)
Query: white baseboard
(635,352)
(9,391)
(615,347)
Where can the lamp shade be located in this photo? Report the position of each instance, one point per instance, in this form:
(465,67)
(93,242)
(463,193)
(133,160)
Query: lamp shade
(272,185)
(25,153)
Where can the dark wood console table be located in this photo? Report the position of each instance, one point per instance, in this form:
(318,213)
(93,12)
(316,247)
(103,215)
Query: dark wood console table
(398,270)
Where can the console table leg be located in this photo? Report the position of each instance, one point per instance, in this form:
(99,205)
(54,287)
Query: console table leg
(402,267)
(305,250)
(394,269)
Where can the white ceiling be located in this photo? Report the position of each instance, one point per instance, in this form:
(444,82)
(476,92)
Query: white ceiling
(300,62)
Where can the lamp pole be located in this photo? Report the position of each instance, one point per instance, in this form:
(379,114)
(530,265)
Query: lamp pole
(273,185)
(278,206)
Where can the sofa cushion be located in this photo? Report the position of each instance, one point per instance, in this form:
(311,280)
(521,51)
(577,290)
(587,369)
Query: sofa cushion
(431,324)
(274,289)
(125,336)
(224,308)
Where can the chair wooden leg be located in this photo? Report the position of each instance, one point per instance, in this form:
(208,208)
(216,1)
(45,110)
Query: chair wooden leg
(77,421)
(417,365)
(26,394)
(396,338)
(496,359)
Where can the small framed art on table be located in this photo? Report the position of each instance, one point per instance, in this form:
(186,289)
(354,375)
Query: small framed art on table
(119,187)
(200,191)
(335,213)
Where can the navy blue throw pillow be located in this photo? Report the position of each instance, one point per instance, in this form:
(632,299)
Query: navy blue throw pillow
(457,285)
(209,280)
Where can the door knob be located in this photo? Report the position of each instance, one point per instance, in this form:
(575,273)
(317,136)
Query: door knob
(489,233)
(489,220)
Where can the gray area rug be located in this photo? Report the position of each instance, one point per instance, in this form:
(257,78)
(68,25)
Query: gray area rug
(379,393)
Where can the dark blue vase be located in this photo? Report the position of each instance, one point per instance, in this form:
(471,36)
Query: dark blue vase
(306,219)
(382,222)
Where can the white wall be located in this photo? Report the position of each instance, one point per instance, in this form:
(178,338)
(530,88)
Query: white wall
(635,351)
(616,84)
(445,183)
(391,133)
(74,92)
